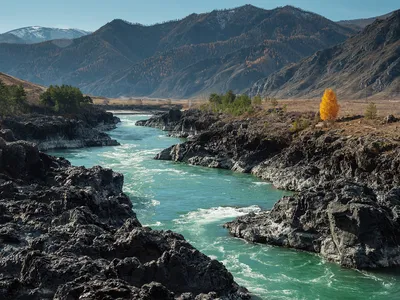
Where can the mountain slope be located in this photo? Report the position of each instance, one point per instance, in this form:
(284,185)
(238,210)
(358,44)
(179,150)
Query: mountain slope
(38,34)
(237,46)
(367,64)
(281,36)
(360,24)
(10,39)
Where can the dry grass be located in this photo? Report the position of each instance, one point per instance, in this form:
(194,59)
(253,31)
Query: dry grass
(347,107)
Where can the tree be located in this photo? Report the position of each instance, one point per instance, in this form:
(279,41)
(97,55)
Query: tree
(228,98)
(215,99)
(240,105)
(329,107)
(371,112)
(12,99)
(257,100)
(4,97)
(64,99)
(17,98)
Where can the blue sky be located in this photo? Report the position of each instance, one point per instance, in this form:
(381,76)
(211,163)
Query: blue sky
(92,14)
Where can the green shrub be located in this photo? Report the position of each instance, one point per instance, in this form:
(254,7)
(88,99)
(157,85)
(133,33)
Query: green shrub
(257,100)
(230,103)
(371,112)
(317,118)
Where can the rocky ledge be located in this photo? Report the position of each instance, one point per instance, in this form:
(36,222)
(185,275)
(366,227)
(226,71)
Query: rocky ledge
(348,202)
(70,233)
(181,124)
(344,222)
(59,132)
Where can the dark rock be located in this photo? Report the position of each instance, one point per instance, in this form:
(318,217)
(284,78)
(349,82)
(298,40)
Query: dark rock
(58,132)
(390,119)
(237,145)
(7,135)
(344,223)
(70,233)
(181,124)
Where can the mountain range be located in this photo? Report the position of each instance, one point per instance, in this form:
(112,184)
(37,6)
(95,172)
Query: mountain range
(202,53)
(38,34)
(367,64)
(198,55)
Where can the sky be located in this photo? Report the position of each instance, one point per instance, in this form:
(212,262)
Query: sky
(92,14)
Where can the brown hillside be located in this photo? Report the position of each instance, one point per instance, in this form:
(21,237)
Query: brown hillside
(33,90)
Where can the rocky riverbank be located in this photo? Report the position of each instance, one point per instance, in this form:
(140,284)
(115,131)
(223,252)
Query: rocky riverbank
(70,233)
(85,129)
(348,202)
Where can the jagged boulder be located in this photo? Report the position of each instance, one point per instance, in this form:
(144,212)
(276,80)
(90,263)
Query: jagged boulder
(345,223)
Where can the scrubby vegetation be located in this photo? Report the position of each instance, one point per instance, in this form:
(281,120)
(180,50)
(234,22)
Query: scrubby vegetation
(299,125)
(371,112)
(12,99)
(231,104)
(329,107)
(257,100)
(274,103)
(64,99)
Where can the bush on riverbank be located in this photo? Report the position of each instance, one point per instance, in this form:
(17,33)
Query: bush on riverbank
(230,103)
(64,99)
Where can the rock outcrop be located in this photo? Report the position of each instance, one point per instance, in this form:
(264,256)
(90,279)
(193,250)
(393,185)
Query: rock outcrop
(70,233)
(348,203)
(181,123)
(59,132)
(344,222)
(217,143)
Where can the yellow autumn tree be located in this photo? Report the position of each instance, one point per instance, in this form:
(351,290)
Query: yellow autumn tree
(329,107)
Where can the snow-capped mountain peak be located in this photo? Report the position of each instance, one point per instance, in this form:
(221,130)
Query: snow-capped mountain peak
(38,34)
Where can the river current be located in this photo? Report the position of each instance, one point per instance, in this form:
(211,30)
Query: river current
(196,201)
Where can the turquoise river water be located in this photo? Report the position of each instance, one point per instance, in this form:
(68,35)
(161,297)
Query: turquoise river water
(196,201)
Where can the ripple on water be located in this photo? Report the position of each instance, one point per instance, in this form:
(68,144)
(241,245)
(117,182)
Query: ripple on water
(213,214)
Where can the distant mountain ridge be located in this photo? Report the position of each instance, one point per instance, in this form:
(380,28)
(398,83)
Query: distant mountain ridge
(360,24)
(366,65)
(202,53)
(38,34)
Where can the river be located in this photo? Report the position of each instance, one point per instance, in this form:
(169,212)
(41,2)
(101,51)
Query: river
(196,201)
